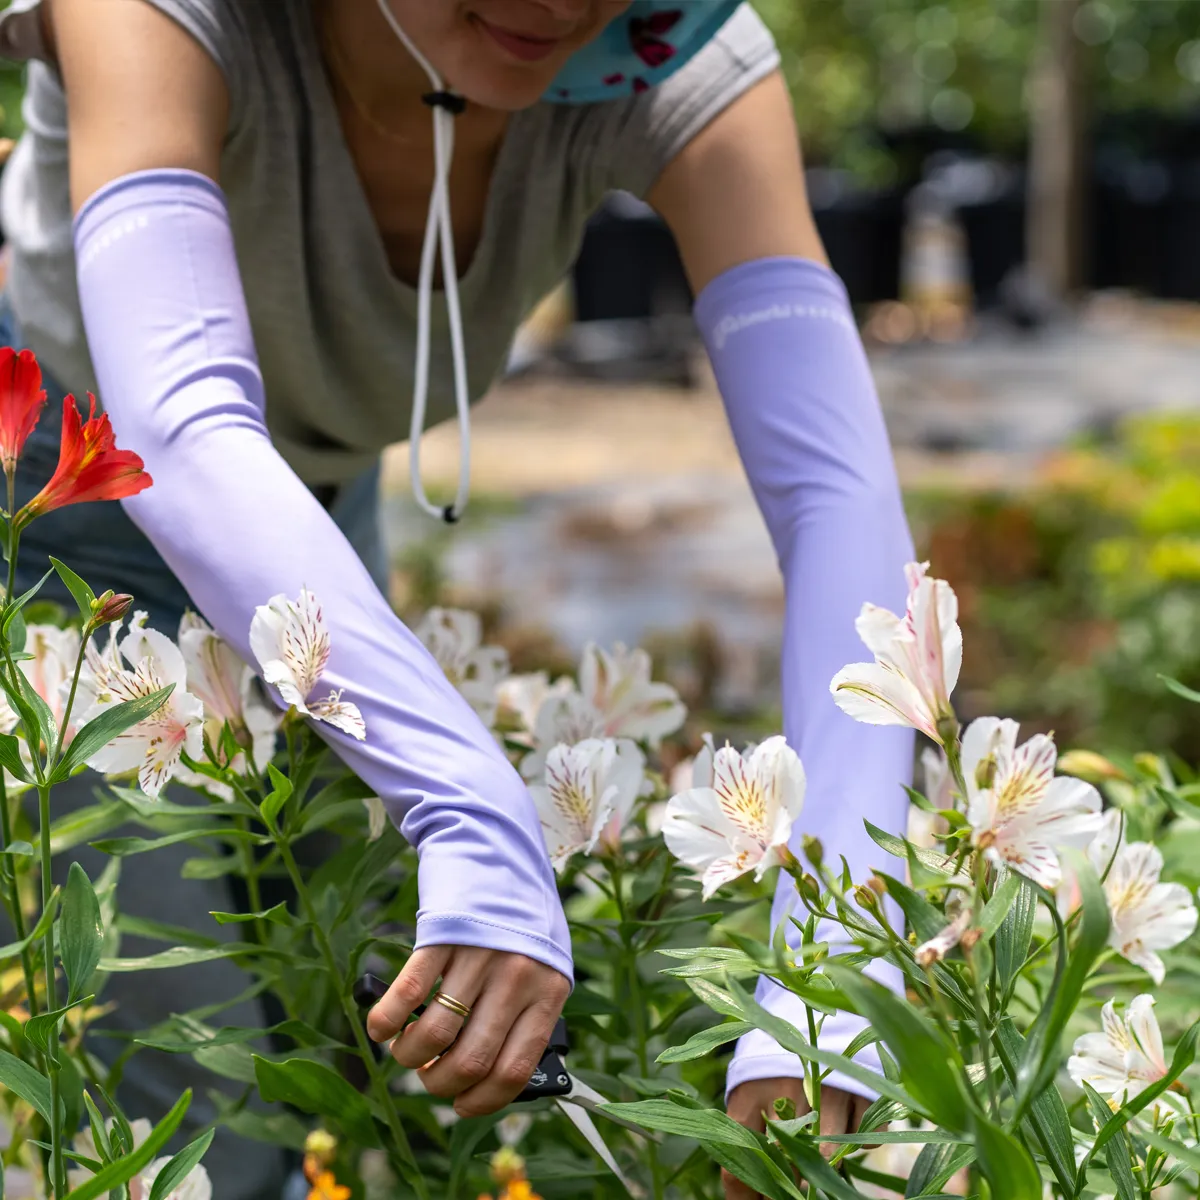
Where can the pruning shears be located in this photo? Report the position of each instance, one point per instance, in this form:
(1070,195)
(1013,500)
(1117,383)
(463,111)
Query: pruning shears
(549,1081)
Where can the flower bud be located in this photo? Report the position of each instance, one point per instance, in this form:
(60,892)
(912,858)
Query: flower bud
(1089,766)
(865,898)
(321,1144)
(947,728)
(110,607)
(813,851)
(985,772)
(877,885)
(507,1166)
(810,889)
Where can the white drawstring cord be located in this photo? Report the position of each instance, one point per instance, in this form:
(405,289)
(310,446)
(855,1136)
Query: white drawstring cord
(438,228)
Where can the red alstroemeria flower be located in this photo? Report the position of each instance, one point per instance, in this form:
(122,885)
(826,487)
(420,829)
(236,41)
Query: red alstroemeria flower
(90,467)
(21,400)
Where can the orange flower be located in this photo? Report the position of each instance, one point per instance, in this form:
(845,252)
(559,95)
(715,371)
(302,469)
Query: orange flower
(519,1189)
(326,1187)
(21,400)
(90,467)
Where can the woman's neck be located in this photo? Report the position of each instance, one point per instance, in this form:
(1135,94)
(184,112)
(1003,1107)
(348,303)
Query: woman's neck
(386,84)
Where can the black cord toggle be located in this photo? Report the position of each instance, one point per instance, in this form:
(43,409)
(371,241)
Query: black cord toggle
(450,101)
(449,515)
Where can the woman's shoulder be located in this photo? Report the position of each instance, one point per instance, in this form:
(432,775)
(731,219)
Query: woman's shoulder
(625,144)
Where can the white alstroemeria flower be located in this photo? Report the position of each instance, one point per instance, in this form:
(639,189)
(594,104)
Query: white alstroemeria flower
(586,787)
(227,687)
(50,669)
(454,636)
(742,819)
(521,696)
(1019,813)
(376,818)
(196,1185)
(291,644)
(618,686)
(1146,915)
(155,746)
(917,660)
(99,666)
(1126,1057)
(84,1144)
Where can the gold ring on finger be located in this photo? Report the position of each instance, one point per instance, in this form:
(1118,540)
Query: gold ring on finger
(455,1006)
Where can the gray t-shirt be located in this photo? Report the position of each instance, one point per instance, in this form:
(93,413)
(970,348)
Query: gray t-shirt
(333,327)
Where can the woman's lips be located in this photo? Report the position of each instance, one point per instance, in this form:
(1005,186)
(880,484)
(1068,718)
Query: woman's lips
(527,49)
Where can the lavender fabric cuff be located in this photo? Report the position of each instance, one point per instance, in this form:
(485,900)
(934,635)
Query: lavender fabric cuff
(806,418)
(170,337)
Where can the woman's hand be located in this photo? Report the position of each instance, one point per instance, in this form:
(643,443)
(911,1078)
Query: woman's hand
(514,1003)
(840,1113)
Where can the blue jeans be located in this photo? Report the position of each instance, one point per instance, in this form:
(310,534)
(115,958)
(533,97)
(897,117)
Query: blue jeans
(100,543)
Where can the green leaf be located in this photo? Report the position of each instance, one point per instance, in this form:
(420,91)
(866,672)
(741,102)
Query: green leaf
(1005,1163)
(1041,1058)
(898,1137)
(898,847)
(80,932)
(76,586)
(701,1044)
(124,1169)
(74,828)
(700,1124)
(791,1039)
(32,1086)
(313,1088)
(123,847)
(1180,689)
(178,956)
(934,1167)
(805,1155)
(18,850)
(926,1058)
(1118,1152)
(38,932)
(1047,1113)
(925,920)
(1015,933)
(273,804)
(178,1169)
(11,760)
(278,915)
(101,730)
(276,1129)
(11,611)
(210,868)
(1187,1155)
(998,907)
(43,1029)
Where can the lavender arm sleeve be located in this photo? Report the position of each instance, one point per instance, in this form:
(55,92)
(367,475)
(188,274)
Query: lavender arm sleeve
(170,338)
(807,421)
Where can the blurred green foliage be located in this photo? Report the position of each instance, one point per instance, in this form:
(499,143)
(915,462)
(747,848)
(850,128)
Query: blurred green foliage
(1077,598)
(860,67)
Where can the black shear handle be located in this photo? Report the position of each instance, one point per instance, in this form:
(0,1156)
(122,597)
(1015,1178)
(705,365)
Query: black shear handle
(549,1079)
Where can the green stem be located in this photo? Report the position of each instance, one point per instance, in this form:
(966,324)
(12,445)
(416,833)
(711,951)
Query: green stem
(402,1151)
(629,962)
(14,537)
(13,899)
(250,870)
(66,715)
(56,1153)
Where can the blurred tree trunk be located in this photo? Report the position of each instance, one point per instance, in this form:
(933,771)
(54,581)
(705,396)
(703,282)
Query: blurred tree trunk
(1058,153)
